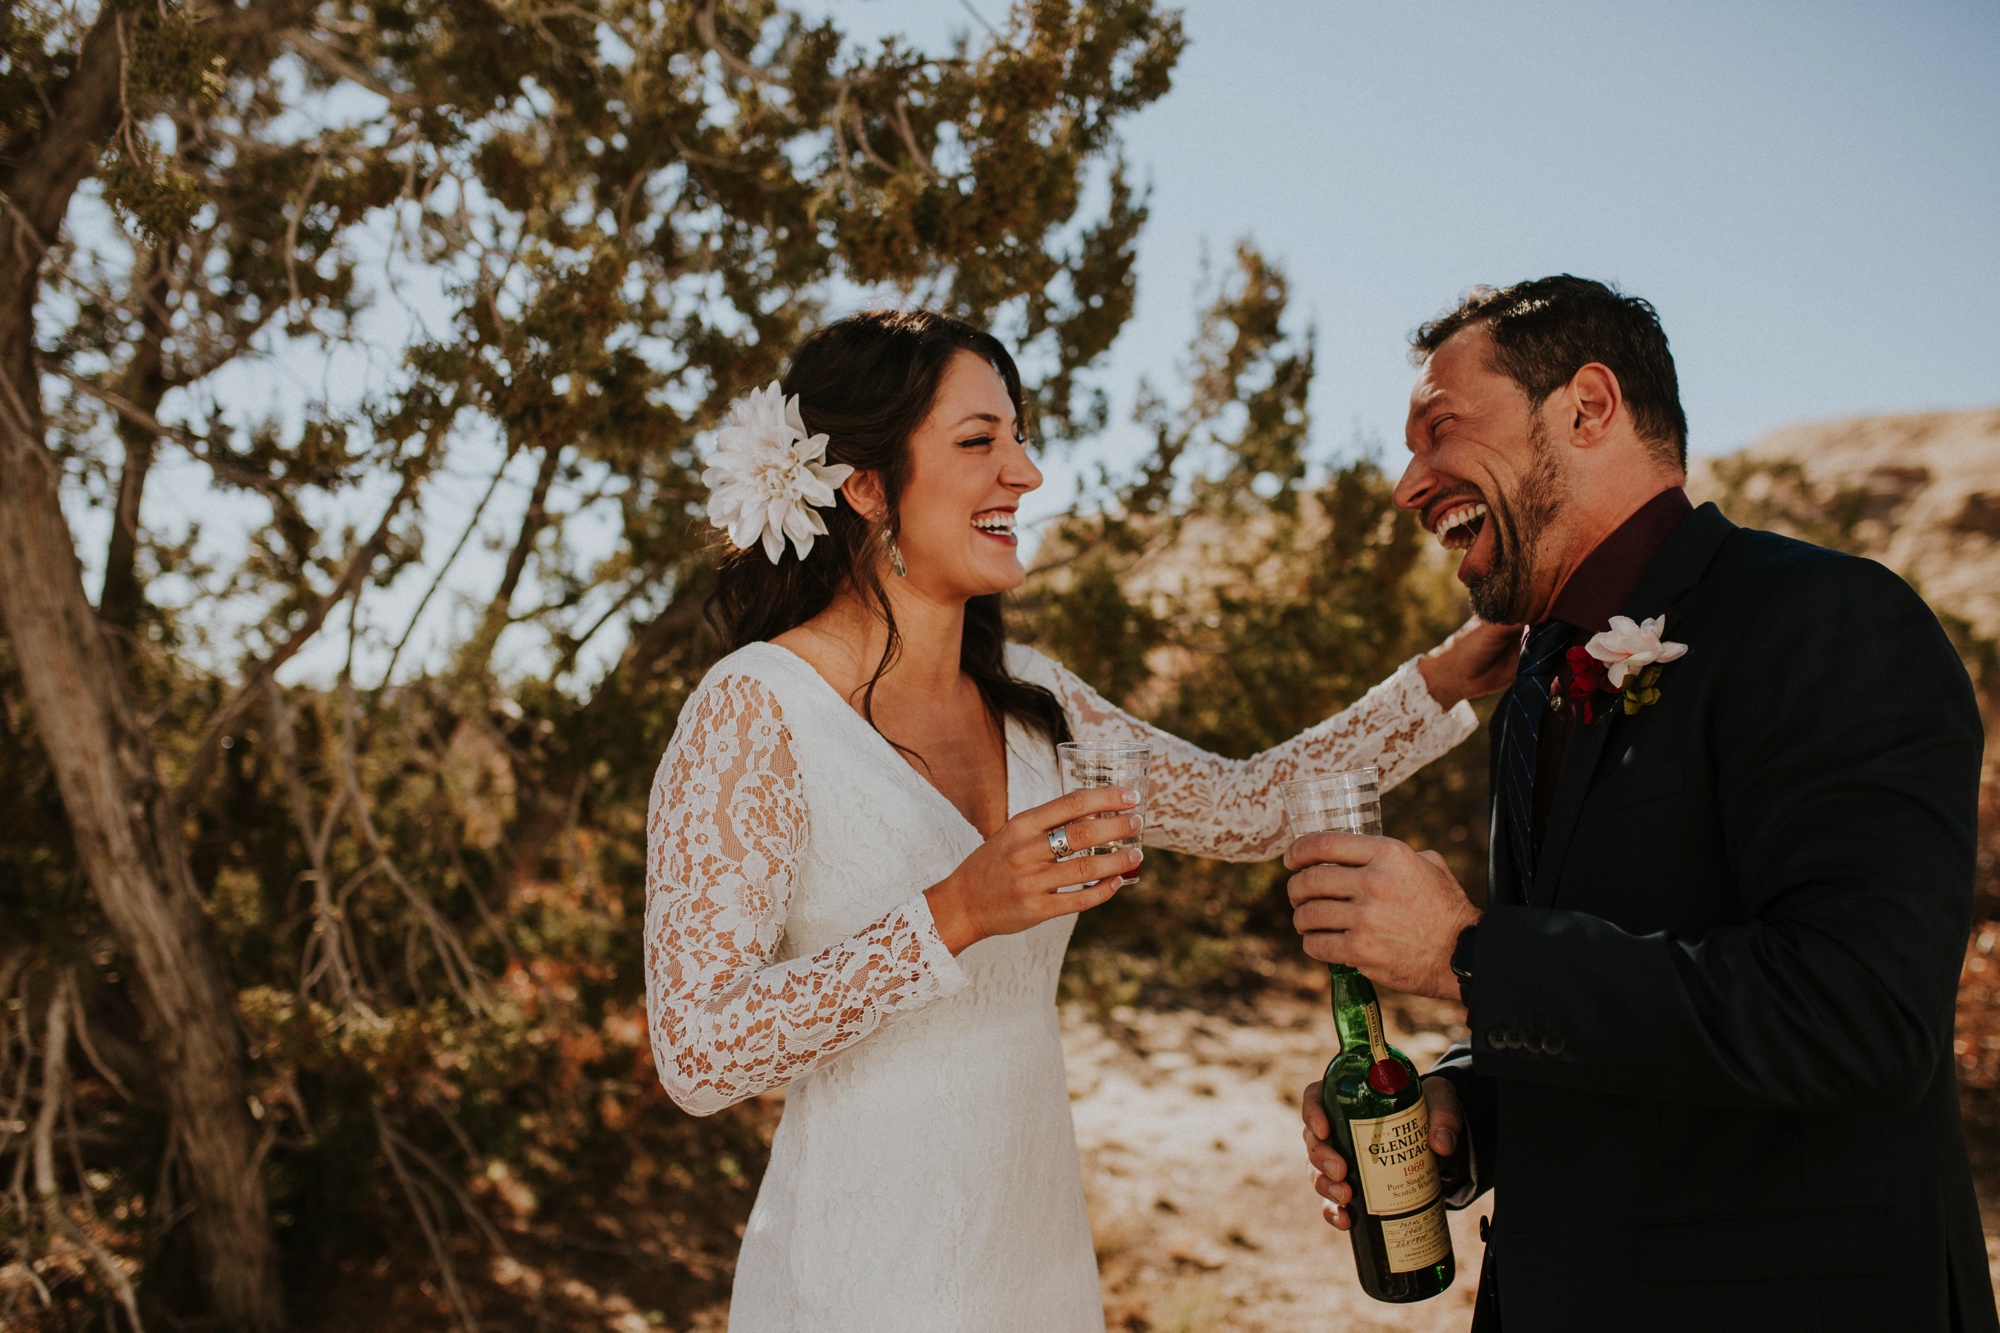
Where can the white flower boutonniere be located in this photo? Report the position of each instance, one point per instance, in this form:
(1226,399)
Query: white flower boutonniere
(1631,656)
(1626,649)
(767,477)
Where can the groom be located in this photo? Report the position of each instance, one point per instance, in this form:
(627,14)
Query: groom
(1710,1069)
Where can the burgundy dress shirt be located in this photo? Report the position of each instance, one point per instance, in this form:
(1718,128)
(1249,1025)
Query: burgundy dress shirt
(1599,590)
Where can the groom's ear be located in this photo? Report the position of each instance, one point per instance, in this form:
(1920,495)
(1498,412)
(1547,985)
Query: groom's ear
(865,495)
(1594,399)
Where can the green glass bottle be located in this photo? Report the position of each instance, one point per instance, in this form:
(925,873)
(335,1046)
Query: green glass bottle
(1402,1247)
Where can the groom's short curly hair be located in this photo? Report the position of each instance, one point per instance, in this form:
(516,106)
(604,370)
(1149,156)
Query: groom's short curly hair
(1546,330)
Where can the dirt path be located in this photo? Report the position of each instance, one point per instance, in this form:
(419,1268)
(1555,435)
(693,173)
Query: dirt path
(1204,1221)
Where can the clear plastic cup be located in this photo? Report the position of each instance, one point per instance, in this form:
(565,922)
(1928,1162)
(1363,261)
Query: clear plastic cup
(1107,764)
(1349,802)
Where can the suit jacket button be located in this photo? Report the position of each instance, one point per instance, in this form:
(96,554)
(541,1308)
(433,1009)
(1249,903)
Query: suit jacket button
(1553,1044)
(1497,1039)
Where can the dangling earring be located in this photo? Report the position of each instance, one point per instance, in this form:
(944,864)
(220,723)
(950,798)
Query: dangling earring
(896,558)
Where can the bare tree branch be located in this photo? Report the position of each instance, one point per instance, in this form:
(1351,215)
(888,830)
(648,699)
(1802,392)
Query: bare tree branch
(89,1048)
(225,719)
(533,521)
(294,216)
(203,448)
(327,940)
(341,66)
(421,1211)
(459,969)
(471,526)
(55,1079)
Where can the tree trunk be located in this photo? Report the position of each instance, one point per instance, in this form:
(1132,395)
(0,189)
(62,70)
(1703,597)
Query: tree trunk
(128,837)
(126,831)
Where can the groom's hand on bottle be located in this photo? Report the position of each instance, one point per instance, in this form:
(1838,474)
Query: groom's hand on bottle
(1015,881)
(1381,907)
(1329,1169)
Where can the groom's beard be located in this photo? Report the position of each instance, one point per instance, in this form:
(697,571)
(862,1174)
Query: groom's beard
(1501,595)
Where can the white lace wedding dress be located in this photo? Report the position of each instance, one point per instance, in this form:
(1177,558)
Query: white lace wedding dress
(924,1176)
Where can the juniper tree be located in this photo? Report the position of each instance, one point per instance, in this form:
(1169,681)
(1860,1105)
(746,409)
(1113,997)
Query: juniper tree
(620,215)
(1226,592)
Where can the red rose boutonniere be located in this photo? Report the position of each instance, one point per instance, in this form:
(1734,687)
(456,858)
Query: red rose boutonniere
(1623,663)
(1588,688)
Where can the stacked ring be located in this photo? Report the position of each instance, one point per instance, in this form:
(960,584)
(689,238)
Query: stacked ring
(1059,842)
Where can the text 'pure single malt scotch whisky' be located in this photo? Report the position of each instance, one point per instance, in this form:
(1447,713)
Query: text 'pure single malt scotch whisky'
(1402,1247)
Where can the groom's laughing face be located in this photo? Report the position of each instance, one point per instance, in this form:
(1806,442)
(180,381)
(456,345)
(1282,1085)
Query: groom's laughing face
(1484,477)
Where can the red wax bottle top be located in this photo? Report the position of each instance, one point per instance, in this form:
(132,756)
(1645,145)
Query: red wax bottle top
(1387,1077)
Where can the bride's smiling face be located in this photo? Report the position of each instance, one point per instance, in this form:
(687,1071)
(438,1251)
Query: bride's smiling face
(968,469)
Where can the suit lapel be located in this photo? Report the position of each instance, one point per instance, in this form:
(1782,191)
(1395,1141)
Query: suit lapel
(1586,746)
(1674,571)
(1500,885)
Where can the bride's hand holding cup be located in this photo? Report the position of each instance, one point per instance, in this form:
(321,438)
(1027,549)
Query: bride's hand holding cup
(1026,873)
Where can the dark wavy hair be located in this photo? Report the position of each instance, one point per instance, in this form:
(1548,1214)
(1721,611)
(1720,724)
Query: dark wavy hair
(1546,330)
(867,382)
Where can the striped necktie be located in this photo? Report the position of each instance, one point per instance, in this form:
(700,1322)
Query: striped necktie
(1526,701)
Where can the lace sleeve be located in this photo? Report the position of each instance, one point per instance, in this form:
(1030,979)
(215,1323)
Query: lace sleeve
(1229,808)
(724,833)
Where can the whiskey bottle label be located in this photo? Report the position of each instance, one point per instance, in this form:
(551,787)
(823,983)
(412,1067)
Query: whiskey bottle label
(1393,1159)
(1416,1242)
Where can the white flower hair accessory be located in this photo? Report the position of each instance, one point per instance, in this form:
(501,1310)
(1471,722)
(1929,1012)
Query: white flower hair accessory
(766,480)
(1626,649)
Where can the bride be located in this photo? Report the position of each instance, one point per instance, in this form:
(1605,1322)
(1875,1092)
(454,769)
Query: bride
(853,885)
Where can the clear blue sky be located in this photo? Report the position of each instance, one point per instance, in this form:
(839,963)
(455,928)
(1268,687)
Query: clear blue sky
(1809,192)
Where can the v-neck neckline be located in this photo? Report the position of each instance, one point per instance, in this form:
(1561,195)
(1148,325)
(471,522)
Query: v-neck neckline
(902,762)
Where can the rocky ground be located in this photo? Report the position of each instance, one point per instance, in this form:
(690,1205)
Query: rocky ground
(1199,1201)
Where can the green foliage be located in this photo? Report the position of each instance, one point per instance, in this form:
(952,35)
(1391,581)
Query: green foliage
(1780,494)
(1103,635)
(34,61)
(428,885)
(170,60)
(1218,594)
(155,200)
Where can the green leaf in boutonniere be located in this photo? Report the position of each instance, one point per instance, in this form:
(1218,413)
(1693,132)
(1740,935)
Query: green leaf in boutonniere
(1645,690)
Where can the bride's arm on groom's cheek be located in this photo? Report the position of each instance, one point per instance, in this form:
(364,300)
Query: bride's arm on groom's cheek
(1477,660)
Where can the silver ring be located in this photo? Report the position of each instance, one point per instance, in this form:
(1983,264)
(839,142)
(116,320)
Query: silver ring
(1059,842)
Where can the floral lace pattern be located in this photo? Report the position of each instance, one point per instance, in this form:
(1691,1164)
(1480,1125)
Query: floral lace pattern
(725,828)
(788,942)
(1228,808)
(728,822)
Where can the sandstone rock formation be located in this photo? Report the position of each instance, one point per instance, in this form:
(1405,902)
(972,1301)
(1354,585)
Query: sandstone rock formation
(1920,492)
